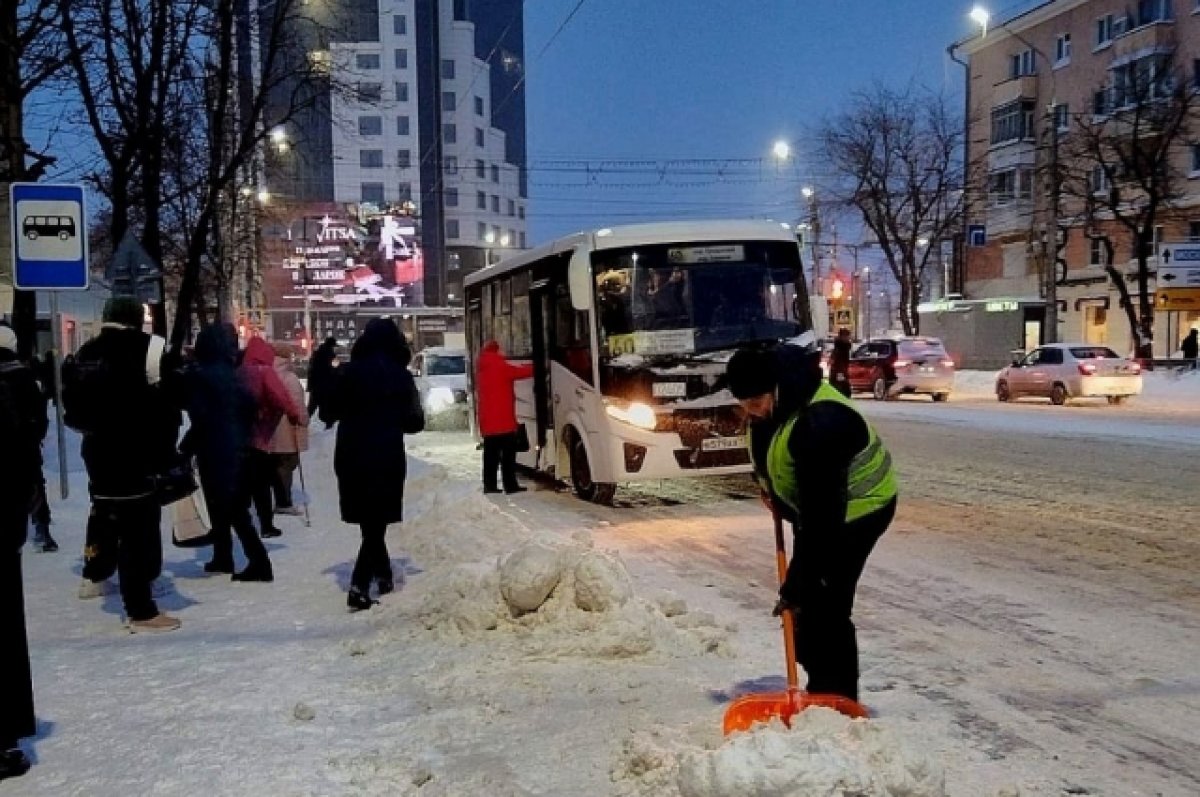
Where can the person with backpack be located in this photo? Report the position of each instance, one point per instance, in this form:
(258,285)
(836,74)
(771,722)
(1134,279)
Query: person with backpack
(112,394)
(22,422)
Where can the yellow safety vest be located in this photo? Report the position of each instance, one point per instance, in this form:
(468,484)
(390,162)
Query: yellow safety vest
(872,480)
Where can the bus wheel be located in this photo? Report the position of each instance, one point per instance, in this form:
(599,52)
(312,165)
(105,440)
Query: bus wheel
(581,474)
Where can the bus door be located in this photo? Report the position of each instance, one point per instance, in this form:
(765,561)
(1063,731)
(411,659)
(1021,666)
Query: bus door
(541,325)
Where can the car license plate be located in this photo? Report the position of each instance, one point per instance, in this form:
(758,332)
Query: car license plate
(669,390)
(722,443)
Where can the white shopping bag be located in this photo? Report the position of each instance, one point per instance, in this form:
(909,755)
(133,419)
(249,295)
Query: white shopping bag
(190,523)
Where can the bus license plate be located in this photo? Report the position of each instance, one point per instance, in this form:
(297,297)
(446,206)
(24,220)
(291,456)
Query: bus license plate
(722,443)
(669,390)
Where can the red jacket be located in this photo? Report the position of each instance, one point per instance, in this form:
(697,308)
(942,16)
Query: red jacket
(271,398)
(494,379)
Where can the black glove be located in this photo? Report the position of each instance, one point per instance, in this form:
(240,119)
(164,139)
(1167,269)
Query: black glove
(783,605)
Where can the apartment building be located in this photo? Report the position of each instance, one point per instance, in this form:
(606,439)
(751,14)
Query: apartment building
(1037,83)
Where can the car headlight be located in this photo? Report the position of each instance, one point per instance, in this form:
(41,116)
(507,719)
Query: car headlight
(635,414)
(439,398)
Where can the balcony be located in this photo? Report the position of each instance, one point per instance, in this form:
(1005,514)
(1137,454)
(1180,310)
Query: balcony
(1153,35)
(1013,89)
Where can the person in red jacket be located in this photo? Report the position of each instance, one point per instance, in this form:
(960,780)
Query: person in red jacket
(497,412)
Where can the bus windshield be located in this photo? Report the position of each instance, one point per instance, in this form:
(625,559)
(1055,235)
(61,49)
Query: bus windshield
(673,299)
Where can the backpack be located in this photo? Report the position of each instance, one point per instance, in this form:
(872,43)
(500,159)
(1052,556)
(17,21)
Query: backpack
(93,394)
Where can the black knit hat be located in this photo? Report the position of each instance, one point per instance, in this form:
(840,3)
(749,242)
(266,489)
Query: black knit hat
(751,373)
(124,310)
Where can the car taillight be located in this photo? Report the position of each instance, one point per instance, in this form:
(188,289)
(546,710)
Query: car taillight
(948,363)
(1087,369)
(901,364)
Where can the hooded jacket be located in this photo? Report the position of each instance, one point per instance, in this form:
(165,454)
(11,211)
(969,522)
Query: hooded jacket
(271,398)
(494,380)
(221,411)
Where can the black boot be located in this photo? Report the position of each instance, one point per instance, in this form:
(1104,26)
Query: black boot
(224,566)
(256,571)
(13,764)
(359,599)
(42,541)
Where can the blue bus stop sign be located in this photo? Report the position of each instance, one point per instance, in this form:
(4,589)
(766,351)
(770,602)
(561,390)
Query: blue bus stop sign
(49,237)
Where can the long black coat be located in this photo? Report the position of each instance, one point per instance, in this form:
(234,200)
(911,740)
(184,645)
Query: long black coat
(221,411)
(374,401)
(21,466)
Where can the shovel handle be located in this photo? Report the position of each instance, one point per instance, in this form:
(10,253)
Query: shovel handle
(789,626)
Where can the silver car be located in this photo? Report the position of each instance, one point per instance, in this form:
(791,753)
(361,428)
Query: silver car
(1065,371)
(441,377)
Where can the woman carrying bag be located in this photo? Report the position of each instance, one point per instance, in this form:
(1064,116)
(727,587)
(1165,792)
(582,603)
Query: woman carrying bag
(498,417)
(374,401)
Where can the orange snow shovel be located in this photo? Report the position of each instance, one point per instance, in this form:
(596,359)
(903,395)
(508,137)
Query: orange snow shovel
(747,710)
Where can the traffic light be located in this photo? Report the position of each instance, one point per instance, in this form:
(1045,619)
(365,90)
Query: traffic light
(837,289)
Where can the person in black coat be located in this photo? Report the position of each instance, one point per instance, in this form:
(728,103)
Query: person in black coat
(1191,345)
(374,401)
(22,417)
(320,374)
(222,411)
(839,363)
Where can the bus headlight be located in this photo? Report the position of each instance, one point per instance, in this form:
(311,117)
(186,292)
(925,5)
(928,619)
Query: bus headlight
(635,414)
(439,399)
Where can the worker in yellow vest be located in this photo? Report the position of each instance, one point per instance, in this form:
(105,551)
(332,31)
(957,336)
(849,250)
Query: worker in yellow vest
(824,468)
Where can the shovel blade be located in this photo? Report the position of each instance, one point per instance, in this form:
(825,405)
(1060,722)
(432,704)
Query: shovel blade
(749,710)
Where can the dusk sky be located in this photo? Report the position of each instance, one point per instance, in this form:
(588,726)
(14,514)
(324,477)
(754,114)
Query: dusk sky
(698,79)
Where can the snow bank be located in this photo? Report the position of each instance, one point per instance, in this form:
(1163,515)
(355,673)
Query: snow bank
(823,753)
(486,576)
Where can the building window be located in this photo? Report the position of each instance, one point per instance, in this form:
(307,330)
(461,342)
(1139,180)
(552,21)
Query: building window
(1004,187)
(1097,253)
(1062,117)
(451,195)
(368,92)
(447,69)
(495,173)
(404,192)
(481,200)
(521,212)
(450,133)
(460,10)
(495,204)
(401,91)
(1022,64)
(1102,102)
(402,126)
(1148,78)
(449,101)
(480,170)
(1195,160)
(479,140)
(370,158)
(1150,11)
(399,24)
(370,125)
(512,208)
(479,104)
(452,228)
(401,58)
(1196,71)
(1012,122)
(521,238)
(404,158)
(372,192)
(1104,33)
(482,230)
(1194,232)
(451,164)
(1062,49)
(1098,180)
(367,60)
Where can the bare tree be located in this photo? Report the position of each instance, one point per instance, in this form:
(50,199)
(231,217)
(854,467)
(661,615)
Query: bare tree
(1124,172)
(31,55)
(898,158)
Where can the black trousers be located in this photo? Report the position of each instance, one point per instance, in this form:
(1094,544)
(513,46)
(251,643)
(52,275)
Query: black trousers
(16,691)
(231,513)
(259,471)
(373,560)
(826,641)
(284,467)
(123,537)
(40,511)
(500,451)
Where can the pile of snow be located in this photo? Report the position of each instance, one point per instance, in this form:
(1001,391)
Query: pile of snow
(823,753)
(484,574)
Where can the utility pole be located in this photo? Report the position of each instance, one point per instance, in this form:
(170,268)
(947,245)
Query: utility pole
(1050,233)
(814,222)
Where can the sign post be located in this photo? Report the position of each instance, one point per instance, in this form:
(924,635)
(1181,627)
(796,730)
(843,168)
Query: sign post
(49,241)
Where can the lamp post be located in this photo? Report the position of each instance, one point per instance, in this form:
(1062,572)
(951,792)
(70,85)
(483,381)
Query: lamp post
(782,152)
(1049,244)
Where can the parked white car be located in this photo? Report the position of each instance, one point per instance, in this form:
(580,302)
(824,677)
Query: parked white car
(1065,371)
(441,377)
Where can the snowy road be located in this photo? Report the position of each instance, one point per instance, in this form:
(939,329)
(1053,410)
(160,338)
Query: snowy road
(1031,622)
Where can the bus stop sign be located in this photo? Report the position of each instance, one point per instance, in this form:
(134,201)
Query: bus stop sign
(49,237)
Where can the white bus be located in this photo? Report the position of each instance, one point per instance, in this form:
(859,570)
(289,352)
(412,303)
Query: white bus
(628,330)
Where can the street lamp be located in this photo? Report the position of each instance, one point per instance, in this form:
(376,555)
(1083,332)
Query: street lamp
(782,150)
(980,16)
(264,196)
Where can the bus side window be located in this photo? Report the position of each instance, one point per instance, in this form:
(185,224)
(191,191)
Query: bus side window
(573,339)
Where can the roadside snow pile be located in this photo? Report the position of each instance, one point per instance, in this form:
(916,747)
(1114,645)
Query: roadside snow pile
(484,573)
(823,753)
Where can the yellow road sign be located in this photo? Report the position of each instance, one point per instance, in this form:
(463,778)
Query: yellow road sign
(1177,299)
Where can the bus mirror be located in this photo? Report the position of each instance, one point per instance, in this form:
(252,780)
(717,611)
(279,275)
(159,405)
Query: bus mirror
(579,278)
